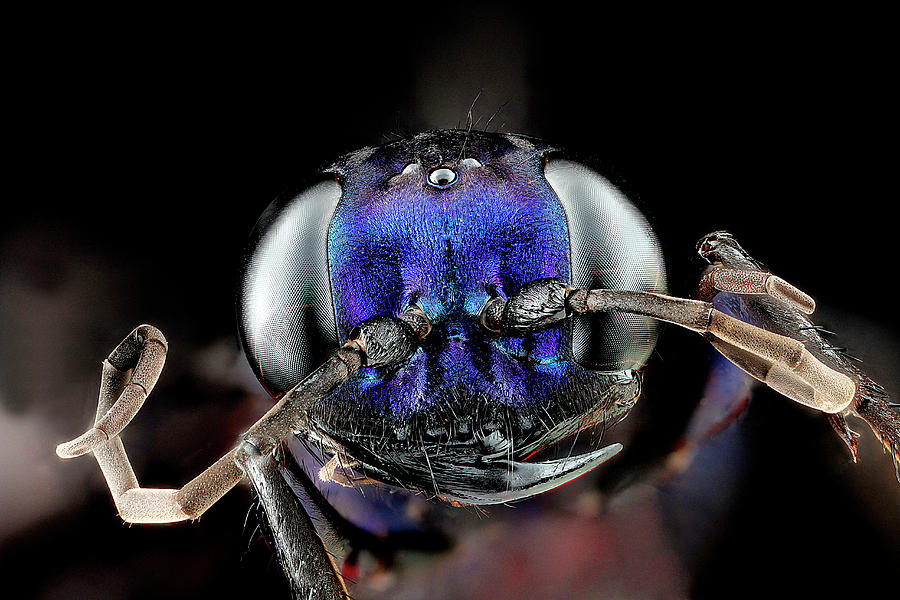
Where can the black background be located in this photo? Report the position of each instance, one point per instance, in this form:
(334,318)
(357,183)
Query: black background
(142,147)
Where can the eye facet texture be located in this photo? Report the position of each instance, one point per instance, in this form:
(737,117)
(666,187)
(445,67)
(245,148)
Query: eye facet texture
(612,246)
(285,307)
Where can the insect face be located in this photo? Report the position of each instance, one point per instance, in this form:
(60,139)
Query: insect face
(447,222)
(437,311)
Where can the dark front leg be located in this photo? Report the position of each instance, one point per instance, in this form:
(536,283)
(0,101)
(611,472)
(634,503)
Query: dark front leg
(306,562)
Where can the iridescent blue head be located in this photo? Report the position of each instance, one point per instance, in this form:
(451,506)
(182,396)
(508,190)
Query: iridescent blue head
(446,221)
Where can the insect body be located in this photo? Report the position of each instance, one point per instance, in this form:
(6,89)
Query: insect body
(437,310)
(390,237)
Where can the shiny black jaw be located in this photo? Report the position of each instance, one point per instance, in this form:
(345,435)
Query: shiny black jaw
(473,450)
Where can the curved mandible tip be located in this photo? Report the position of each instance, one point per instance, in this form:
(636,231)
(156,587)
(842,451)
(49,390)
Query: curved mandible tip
(508,481)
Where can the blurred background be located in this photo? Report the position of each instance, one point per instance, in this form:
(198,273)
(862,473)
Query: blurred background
(142,146)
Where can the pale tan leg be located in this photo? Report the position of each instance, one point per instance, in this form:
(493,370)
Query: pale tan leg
(792,370)
(780,362)
(743,281)
(129,374)
(334,471)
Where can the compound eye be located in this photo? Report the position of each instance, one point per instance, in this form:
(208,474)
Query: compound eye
(285,307)
(442,177)
(612,246)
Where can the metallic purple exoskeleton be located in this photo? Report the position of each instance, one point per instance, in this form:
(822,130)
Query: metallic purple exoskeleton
(439,313)
(446,221)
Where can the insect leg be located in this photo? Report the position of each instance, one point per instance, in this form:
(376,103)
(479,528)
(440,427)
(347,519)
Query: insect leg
(745,281)
(823,380)
(131,371)
(334,471)
(782,312)
(780,362)
(129,374)
(843,431)
(379,341)
(306,562)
